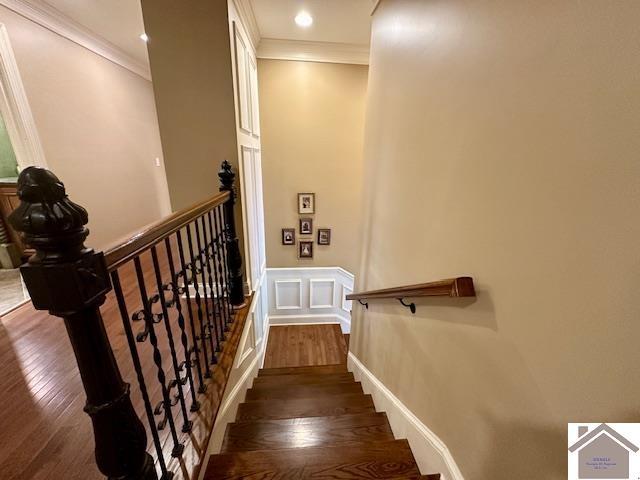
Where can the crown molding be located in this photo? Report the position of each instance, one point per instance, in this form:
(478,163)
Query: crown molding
(48,17)
(248,19)
(276,49)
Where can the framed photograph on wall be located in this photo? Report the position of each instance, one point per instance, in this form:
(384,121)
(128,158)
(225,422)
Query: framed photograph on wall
(306,203)
(288,236)
(324,236)
(305,249)
(306,226)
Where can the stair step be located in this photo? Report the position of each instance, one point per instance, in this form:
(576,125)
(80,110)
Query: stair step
(381,460)
(313,369)
(266,392)
(304,379)
(305,407)
(307,432)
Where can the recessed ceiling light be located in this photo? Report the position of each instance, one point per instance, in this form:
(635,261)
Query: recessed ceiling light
(144,37)
(304,19)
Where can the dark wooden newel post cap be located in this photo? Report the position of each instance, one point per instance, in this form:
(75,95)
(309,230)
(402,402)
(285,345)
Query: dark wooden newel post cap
(63,276)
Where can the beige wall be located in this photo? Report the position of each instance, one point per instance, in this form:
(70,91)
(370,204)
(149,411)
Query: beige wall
(502,142)
(98,127)
(312,122)
(190,55)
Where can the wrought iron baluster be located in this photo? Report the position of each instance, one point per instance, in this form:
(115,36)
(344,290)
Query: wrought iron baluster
(209,280)
(186,427)
(219,254)
(178,447)
(211,248)
(194,337)
(227,276)
(201,312)
(122,306)
(210,314)
(175,288)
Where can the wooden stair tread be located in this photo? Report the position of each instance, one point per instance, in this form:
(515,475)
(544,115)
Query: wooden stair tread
(307,432)
(388,460)
(304,379)
(317,369)
(305,407)
(321,390)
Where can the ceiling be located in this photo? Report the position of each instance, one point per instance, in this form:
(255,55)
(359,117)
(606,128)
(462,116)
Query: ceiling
(118,21)
(337,21)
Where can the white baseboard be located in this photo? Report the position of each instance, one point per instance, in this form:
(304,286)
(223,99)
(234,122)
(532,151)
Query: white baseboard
(311,319)
(431,454)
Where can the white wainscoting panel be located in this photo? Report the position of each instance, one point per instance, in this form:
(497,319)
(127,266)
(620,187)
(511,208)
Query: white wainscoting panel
(346,304)
(322,293)
(288,294)
(309,295)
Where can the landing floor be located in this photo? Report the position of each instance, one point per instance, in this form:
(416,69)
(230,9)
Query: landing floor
(302,345)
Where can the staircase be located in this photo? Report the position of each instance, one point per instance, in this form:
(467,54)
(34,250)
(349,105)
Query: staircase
(311,422)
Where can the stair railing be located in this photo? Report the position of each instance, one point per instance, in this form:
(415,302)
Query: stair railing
(185,296)
(451,287)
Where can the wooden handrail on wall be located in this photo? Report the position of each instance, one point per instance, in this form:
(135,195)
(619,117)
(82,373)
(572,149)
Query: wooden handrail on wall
(452,287)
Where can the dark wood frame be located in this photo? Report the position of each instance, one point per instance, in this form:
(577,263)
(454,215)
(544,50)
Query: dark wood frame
(306,219)
(328,230)
(300,242)
(293,234)
(313,207)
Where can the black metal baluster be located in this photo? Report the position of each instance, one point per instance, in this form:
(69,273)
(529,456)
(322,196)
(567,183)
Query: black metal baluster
(222,318)
(178,447)
(175,288)
(210,315)
(216,315)
(194,336)
(220,217)
(122,305)
(186,427)
(201,313)
(216,246)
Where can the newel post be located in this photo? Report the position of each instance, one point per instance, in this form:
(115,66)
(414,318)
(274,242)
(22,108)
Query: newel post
(234,259)
(71,281)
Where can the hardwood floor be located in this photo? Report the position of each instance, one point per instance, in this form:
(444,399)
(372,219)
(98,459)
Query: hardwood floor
(45,433)
(300,345)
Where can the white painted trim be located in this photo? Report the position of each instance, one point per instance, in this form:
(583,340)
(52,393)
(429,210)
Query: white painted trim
(328,52)
(311,319)
(431,453)
(15,109)
(344,298)
(314,269)
(248,20)
(312,281)
(288,307)
(48,17)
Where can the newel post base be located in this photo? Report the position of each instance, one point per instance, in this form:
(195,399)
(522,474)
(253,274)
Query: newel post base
(234,258)
(71,281)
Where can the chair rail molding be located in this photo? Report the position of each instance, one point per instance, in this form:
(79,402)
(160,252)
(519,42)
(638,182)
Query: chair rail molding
(430,452)
(307,295)
(15,109)
(52,19)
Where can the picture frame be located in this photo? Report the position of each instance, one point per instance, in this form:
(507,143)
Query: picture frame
(288,236)
(306,226)
(305,249)
(306,203)
(324,236)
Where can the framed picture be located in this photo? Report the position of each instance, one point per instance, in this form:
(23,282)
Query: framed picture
(306,203)
(306,226)
(305,249)
(324,236)
(288,236)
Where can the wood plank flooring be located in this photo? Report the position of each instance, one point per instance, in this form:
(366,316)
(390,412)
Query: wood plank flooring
(45,433)
(298,345)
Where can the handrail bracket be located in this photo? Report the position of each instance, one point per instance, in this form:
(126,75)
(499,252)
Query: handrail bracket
(411,306)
